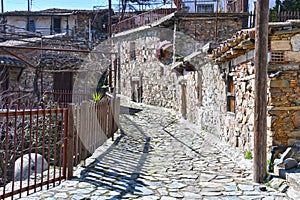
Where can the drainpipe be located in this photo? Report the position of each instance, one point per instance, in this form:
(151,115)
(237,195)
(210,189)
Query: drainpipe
(28,6)
(174,42)
(90,32)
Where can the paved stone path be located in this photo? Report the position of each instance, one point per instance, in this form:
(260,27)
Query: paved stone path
(158,156)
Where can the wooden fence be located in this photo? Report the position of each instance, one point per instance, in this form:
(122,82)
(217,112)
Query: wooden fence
(275,17)
(284,16)
(90,125)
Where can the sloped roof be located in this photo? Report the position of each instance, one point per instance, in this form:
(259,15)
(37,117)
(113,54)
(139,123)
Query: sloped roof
(53,11)
(244,40)
(9,61)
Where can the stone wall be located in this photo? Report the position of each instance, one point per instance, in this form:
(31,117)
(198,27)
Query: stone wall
(207,28)
(207,100)
(141,68)
(284,107)
(284,85)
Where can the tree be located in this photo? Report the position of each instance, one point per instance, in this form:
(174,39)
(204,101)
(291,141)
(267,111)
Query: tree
(283,6)
(286,5)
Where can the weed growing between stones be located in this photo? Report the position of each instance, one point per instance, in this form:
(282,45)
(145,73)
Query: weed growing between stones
(248,155)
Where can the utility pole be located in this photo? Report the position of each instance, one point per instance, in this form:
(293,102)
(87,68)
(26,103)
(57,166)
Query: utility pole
(2,18)
(2,7)
(260,110)
(28,9)
(109,18)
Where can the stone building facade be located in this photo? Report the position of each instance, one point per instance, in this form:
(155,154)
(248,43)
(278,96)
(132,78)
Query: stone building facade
(214,86)
(82,24)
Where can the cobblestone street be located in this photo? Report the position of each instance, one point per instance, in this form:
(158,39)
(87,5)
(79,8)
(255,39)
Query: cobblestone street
(157,155)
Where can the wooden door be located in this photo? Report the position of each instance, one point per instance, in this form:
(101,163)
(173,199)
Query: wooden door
(63,86)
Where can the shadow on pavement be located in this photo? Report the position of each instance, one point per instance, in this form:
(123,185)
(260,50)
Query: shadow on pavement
(118,169)
(129,111)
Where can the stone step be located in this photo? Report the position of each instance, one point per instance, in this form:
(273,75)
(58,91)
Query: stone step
(293,180)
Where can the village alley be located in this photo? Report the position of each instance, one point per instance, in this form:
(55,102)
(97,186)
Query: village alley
(158,155)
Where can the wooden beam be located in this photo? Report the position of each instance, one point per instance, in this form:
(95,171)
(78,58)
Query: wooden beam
(260,110)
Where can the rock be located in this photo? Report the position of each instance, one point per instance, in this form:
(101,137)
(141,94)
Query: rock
(290,163)
(283,188)
(29,160)
(176,185)
(297,144)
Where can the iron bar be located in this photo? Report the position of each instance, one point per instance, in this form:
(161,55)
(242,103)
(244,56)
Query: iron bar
(60,50)
(16,56)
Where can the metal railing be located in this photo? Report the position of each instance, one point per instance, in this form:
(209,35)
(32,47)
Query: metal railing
(41,144)
(141,19)
(27,98)
(33,149)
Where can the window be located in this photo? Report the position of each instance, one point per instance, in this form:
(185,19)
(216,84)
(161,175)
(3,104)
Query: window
(31,25)
(205,8)
(199,87)
(57,25)
(230,95)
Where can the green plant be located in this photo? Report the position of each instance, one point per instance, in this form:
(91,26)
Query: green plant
(97,96)
(248,155)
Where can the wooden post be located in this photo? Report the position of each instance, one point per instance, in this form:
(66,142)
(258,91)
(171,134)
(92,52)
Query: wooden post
(183,100)
(70,141)
(260,110)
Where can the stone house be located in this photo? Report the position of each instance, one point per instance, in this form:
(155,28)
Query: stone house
(212,84)
(235,61)
(30,70)
(208,6)
(85,24)
(28,62)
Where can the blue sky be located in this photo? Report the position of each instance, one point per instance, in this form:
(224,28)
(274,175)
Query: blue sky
(10,5)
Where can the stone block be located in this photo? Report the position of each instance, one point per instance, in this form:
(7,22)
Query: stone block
(290,163)
(281,45)
(294,179)
(296,119)
(291,141)
(295,42)
(280,83)
(294,134)
(291,56)
(280,172)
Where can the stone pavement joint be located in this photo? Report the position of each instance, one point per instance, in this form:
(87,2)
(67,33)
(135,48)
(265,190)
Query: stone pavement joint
(157,155)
